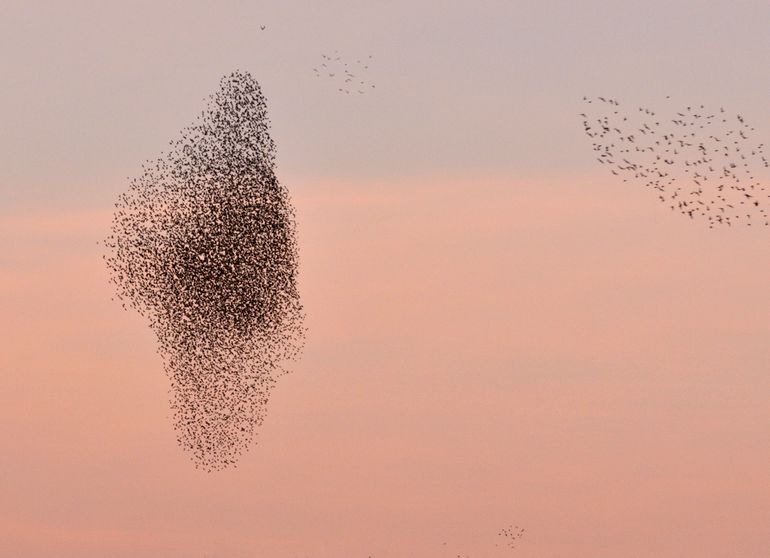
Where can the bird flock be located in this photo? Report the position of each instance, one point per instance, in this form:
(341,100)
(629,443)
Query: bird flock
(704,164)
(348,76)
(511,535)
(203,244)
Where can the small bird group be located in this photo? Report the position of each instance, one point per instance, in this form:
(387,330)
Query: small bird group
(702,163)
(511,534)
(349,77)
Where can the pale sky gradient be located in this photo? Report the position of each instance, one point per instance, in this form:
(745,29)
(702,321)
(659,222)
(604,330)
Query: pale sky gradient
(499,333)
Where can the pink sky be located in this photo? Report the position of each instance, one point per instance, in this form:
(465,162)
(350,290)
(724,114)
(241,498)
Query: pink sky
(562,355)
(500,334)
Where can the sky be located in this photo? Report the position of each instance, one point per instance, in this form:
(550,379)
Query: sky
(500,333)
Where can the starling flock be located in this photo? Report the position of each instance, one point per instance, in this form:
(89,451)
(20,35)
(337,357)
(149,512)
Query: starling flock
(704,164)
(203,244)
(350,78)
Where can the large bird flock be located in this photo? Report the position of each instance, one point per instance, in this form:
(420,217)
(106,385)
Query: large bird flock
(203,244)
(705,164)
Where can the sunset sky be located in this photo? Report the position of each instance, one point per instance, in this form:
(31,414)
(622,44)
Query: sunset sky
(500,332)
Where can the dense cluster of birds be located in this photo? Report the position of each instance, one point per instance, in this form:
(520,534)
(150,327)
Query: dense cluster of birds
(511,535)
(203,244)
(702,163)
(349,77)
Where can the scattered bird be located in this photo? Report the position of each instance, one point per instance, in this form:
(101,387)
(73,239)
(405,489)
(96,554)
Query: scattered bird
(263,27)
